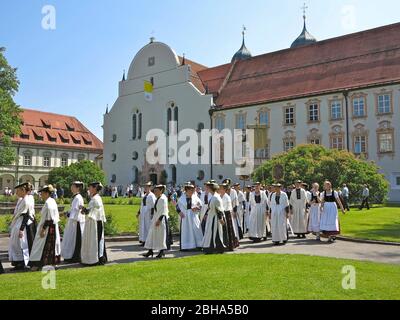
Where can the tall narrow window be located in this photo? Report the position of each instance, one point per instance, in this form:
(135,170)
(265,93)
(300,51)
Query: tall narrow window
(140,126)
(336,110)
(263,118)
(134,127)
(64,160)
(241,121)
(359,107)
(384,104)
(385,142)
(169,119)
(360,144)
(176,118)
(27,159)
(313,112)
(46,161)
(289,116)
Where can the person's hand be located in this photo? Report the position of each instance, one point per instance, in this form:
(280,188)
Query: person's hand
(158,222)
(222,221)
(42,233)
(182,215)
(21,234)
(195,209)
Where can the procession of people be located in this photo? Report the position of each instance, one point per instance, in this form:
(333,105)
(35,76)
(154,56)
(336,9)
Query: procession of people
(213,219)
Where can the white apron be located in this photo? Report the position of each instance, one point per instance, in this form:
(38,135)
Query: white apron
(329,215)
(18,248)
(213,228)
(49,212)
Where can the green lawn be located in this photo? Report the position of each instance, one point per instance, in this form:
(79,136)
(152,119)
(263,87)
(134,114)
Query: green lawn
(221,277)
(124,217)
(379,223)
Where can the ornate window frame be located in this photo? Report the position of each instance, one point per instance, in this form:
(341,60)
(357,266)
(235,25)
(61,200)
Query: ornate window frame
(381,93)
(268,112)
(289,137)
(314,135)
(239,114)
(285,107)
(360,131)
(336,133)
(313,102)
(385,127)
(330,102)
(359,95)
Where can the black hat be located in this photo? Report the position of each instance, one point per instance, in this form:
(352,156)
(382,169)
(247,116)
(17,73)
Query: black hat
(189,185)
(49,188)
(277,185)
(257,184)
(227,181)
(98,185)
(210,182)
(148,184)
(298,181)
(26,185)
(237,184)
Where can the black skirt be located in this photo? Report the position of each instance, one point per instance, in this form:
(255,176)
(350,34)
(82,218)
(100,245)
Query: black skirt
(1,268)
(230,239)
(219,247)
(49,257)
(30,234)
(76,257)
(103,259)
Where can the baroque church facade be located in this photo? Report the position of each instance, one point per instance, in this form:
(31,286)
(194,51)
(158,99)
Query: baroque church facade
(343,93)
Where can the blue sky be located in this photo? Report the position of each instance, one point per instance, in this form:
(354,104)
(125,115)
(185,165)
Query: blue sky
(75,68)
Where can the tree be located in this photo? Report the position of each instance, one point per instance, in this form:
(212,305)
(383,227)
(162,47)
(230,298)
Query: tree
(313,163)
(10,121)
(85,171)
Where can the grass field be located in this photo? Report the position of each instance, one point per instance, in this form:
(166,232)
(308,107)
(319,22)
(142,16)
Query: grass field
(220,277)
(379,223)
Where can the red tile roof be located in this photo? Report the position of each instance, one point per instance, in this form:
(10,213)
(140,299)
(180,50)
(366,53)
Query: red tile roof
(41,128)
(195,69)
(357,60)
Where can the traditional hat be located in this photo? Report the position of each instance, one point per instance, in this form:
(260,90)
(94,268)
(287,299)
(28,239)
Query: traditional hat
(189,185)
(98,185)
(248,186)
(49,188)
(298,181)
(277,185)
(257,184)
(77,183)
(237,184)
(305,184)
(26,185)
(160,187)
(227,181)
(210,182)
(148,184)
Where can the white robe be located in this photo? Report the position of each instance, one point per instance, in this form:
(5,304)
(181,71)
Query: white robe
(314,217)
(278,217)
(213,227)
(75,217)
(299,217)
(257,220)
(145,215)
(92,250)
(191,235)
(49,212)
(228,206)
(157,236)
(18,248)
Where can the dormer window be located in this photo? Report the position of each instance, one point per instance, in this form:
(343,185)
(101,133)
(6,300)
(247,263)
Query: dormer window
(76,139)
(87,140)
(151,61)
(46,124)
(69,127)
(38,134)
(24,133)
(51,136)
(64,137)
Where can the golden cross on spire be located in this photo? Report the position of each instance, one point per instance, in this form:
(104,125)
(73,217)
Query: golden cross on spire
(243,30)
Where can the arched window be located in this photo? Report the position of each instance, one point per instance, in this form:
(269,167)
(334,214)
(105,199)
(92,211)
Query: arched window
(134,127)
(140,126)
(113,157)
(135,172)
(113,178)
(135,155)
(200,175)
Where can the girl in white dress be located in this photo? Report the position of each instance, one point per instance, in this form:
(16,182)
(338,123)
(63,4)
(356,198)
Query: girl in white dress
(259,205)
(46,248)
(279,205)
(315,211)
(159,237)
(72,239)
(146,212)
(330,218)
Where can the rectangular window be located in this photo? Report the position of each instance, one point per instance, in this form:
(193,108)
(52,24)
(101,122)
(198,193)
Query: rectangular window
(220,123)
(64,162)
(385,142)
(313,112)
(337,143)
(315,141)
(289,115)
(398,181)
(384,103)
(46,161)
(240,121)
(359,107)
(264,118)
(27,160)
(336,110)
(289,145)
(360,144)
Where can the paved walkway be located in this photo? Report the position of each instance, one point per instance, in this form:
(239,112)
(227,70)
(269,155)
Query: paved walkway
(128,252)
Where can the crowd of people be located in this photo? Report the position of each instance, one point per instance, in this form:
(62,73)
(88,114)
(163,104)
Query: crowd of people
(213,219)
